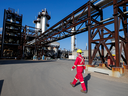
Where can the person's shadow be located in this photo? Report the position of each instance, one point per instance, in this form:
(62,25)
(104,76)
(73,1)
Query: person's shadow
(85,80)
(1,85)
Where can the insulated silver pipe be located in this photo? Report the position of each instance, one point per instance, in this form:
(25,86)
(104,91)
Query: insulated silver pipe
(100,4)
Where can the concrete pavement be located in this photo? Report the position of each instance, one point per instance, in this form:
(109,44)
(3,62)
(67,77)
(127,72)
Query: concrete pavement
(52,78)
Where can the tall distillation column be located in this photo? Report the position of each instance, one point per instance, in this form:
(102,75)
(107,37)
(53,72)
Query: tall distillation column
(44,20)
(37,25)
(73,40)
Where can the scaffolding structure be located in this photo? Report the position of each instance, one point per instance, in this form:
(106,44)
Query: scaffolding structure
(30,48)
(11,34)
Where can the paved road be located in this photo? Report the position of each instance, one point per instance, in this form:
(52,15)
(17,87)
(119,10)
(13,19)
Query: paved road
(38,78)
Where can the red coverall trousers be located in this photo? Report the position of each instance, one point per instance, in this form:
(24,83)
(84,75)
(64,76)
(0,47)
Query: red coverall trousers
(79,64)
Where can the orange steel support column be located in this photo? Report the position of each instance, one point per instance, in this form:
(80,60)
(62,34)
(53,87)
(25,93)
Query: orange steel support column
(116,33)
(89,33)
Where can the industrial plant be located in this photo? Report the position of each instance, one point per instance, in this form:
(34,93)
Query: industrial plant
(32,62)
(20,42)
(40,42)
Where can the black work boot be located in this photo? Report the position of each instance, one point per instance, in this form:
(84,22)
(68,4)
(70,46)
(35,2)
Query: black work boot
(72,84)
(83,91)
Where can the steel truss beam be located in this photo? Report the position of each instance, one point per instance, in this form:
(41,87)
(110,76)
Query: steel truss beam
(113,35)
(94,27)
(63,28)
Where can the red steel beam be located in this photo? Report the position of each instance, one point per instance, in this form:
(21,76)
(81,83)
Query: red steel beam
(115,8)
(102,39)
(103,25)
(102,36)
(122,2)
(89,33)
(126,35)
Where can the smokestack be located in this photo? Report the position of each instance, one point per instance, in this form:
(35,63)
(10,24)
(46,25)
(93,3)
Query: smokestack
(86,46)
(73,40)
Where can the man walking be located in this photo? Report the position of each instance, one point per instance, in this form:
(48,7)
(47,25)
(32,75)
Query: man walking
(80,66)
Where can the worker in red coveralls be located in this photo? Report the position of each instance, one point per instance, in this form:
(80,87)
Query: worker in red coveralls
(80,67)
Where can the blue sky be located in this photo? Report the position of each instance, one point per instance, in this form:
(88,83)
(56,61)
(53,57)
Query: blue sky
(58,9)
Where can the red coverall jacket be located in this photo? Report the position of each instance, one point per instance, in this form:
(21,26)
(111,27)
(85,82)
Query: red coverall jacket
(79,64)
